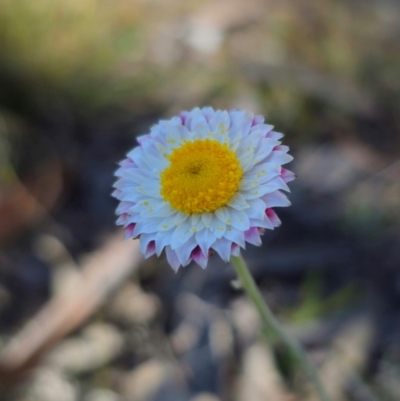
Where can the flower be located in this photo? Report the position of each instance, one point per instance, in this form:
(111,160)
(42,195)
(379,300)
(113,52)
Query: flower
(203,182)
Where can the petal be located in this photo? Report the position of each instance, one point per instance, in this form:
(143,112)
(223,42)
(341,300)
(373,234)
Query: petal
(199,257)
(223,247)
(264,151)
(124,207)
(274,135)
(236,236)
(235,249)
(276,199)
(220,229)
(240,220)
(145,239)
(163,238)
(262,223)
(163,209)
(166,223)
(223,214)
(252,236)
(287,175)
(208,113)
(151,189)
(200,126)
(257,209)
(279,157)
(129,231)
(181,234)
(172,258)
(264,129)
(258,120)
(259,175)
(270,186)
(241,120)
(179,218)
(273,217)
(122,219)
(238,202)
(220,123)
(150,250)
(146,226)
(205,238)
(206,219)
(184,251)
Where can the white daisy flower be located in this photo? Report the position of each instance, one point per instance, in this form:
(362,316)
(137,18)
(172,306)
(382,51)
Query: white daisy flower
(203,182)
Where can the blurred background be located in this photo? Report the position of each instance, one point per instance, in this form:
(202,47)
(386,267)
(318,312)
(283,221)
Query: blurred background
(82,316)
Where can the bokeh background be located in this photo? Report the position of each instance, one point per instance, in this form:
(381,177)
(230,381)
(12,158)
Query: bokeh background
(82,316)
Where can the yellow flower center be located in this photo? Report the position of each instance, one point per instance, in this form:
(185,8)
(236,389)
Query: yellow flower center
(203,176)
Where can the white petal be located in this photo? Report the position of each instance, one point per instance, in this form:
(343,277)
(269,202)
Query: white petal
(146,226)
(205,238)
(172,135)
(223,247)
(220,123)
(279,157)
(145,208)
(163,238)
(184,251)
(213,223)
(236,236)
(163,209)
(179,218)
(167,223)
(249,145)
(155,164)
(276,199)
(238,202)
(196,223)
(223,214)
(264,151)
(262,172)
(274,184)
(264,223)
(207,112)
(257,209)
(122,220)
(181,234)
(241,120)
(136,152)
(139,176)
(235,139)
(206,218)
(132,218)
(200,126)
(124,207)
(270,186)
(150,189)
(240,220)
(275,135)
(131,196)
(220,228)
(259,175)
(172,258)
(194,219)
(264,129)
(189,116)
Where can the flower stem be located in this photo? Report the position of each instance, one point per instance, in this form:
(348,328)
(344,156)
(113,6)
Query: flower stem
(270,321)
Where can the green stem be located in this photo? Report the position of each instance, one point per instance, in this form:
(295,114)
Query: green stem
(270,321)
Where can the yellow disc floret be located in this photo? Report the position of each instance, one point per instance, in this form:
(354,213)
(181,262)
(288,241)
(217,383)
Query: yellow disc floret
(203,176)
